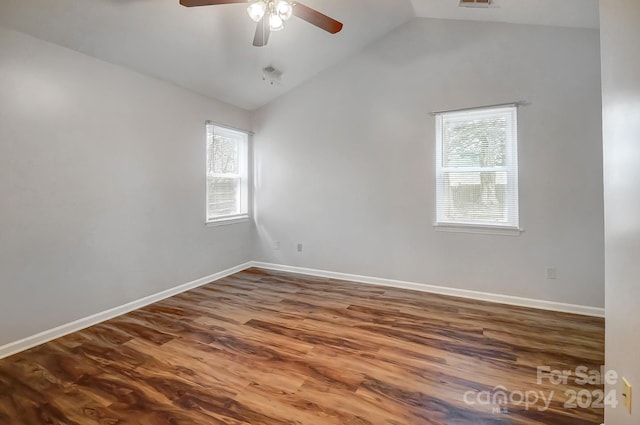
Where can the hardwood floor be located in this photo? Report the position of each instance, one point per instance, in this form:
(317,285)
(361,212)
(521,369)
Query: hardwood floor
(263,347)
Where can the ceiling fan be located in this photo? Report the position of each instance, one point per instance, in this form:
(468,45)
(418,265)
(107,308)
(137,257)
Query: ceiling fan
(271,15)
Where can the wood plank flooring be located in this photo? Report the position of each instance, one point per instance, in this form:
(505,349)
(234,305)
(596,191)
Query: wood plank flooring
(272,348)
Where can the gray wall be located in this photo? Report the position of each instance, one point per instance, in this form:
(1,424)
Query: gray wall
(101,187)
(620,32)
(345,163)
(102,177)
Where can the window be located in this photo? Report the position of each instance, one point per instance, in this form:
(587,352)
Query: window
(227,164)
(477,168)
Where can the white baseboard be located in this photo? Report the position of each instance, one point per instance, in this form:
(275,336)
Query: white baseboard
(51,334)
(463,293)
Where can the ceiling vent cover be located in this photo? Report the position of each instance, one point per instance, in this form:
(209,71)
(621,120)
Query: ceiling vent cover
(476,3)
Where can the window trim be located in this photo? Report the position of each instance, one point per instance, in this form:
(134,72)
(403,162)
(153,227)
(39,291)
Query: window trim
(243,175)
(512,170)
(478,229)
(240,218)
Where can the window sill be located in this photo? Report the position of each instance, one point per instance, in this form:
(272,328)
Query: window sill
(227,220)
(478,229)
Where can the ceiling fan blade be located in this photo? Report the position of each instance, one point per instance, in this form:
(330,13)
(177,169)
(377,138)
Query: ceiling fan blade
(316,18)
(193,3)
(262,32)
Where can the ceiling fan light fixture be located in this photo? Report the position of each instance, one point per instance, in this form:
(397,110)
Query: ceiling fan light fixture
(284,9)
(270,15)
(257,10)
(276,23)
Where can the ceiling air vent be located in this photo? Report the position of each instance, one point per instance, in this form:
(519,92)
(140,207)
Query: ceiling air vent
(475,3)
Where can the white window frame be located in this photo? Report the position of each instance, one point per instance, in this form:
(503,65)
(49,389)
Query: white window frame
(242,175)
(512,225)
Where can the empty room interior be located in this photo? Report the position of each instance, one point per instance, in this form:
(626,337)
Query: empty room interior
(365,212)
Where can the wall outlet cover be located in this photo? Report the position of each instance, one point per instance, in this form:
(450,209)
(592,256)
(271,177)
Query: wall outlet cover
(551,273)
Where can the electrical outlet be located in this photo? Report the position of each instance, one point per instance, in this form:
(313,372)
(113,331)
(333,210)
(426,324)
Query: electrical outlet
(551,273)
(299,247)
(276,245)
(626,393)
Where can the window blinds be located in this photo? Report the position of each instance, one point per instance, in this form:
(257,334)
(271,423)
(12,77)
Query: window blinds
(227,195)
(477,167)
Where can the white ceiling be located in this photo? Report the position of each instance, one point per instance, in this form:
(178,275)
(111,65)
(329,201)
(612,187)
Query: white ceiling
(206,49)
(209,49)
(564,13)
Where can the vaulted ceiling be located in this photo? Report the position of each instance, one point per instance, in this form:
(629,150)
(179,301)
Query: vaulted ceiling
(564,13)
(209,49)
